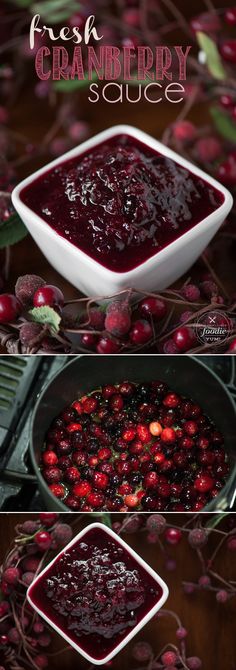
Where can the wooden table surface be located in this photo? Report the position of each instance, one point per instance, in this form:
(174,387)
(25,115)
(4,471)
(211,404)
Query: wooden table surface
(211,626)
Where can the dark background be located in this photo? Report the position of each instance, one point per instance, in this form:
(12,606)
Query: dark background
(211,626)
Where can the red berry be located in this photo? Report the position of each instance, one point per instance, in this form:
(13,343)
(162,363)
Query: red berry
(208,149)
(131,500)
(48,519)
(153,307)
(173,535)
(10,308)
(107,345)
(226,101)
(100,480)
(228,50)
(207,22)
(90,405)
(52,474)
(143,433)
(89,340)
(190,427)
(57,490)
(116,402)
(183,338)
(43,540)
(104,454)
(203,483)
(169,658)
(72,474)
(129,434)
(184,131)
(72,427)
(82,489)
(41,661)
(230,16)
(141,332)
(231,543)
(95,499)
(49,458)
(49,296)
(118,319)
(168,435)
(232,347)
(96,318)
(151,480)
(11,575)
(171,400)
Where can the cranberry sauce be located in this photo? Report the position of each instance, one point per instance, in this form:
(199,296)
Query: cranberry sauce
(121,202)
(96,593)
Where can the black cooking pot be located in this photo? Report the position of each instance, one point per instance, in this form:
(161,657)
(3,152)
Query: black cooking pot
(185,374)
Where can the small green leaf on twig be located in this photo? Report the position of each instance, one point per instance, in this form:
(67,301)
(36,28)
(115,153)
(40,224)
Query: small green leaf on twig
(223,124)
(70,85)
(215,520)
(12,231)
(213,59)
(48,316)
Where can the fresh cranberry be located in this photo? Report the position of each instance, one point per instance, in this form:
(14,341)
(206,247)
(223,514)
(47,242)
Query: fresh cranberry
(10,308)
(131,500)
(49,458)
(226,101)
(108,391)
(96,500)
(203,483)
(143,433)
(90,405)
(152,307)
(116,402)
(82,489)
(151,480)
(155,428)
(184,131)
(100,480)
(168,435)
(72,474)
(57,490)
(141,332)
(129,434)
(49,296)
(171,400)
(52,474)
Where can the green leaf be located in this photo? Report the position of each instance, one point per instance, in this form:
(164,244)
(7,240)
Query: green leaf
(213,59)
(12,231)
(215,520)
(55,11)
(46,315)
(223,124)
(22,3)
(71,85)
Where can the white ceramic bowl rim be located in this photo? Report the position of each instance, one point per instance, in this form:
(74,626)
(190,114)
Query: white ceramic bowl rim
(141,623)
(92,142)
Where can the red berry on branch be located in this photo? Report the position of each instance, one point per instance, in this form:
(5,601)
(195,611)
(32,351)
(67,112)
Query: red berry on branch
(89,340)
(49,296)
(226,101)
(207,22)
(26,286)
(43,540)
(228,50)
(152,307)
(107,345)
(173,535)
(230,16)
(208,149)
(118,321)
(11,575)
(169,658)
(184,131)
(191,292)
(10,308)
(183,338)
(141,332)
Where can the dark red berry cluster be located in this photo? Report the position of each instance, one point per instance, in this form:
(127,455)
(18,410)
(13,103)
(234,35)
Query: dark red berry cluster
(134,446)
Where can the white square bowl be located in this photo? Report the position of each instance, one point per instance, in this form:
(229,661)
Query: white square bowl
(137,628)
(156,273)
